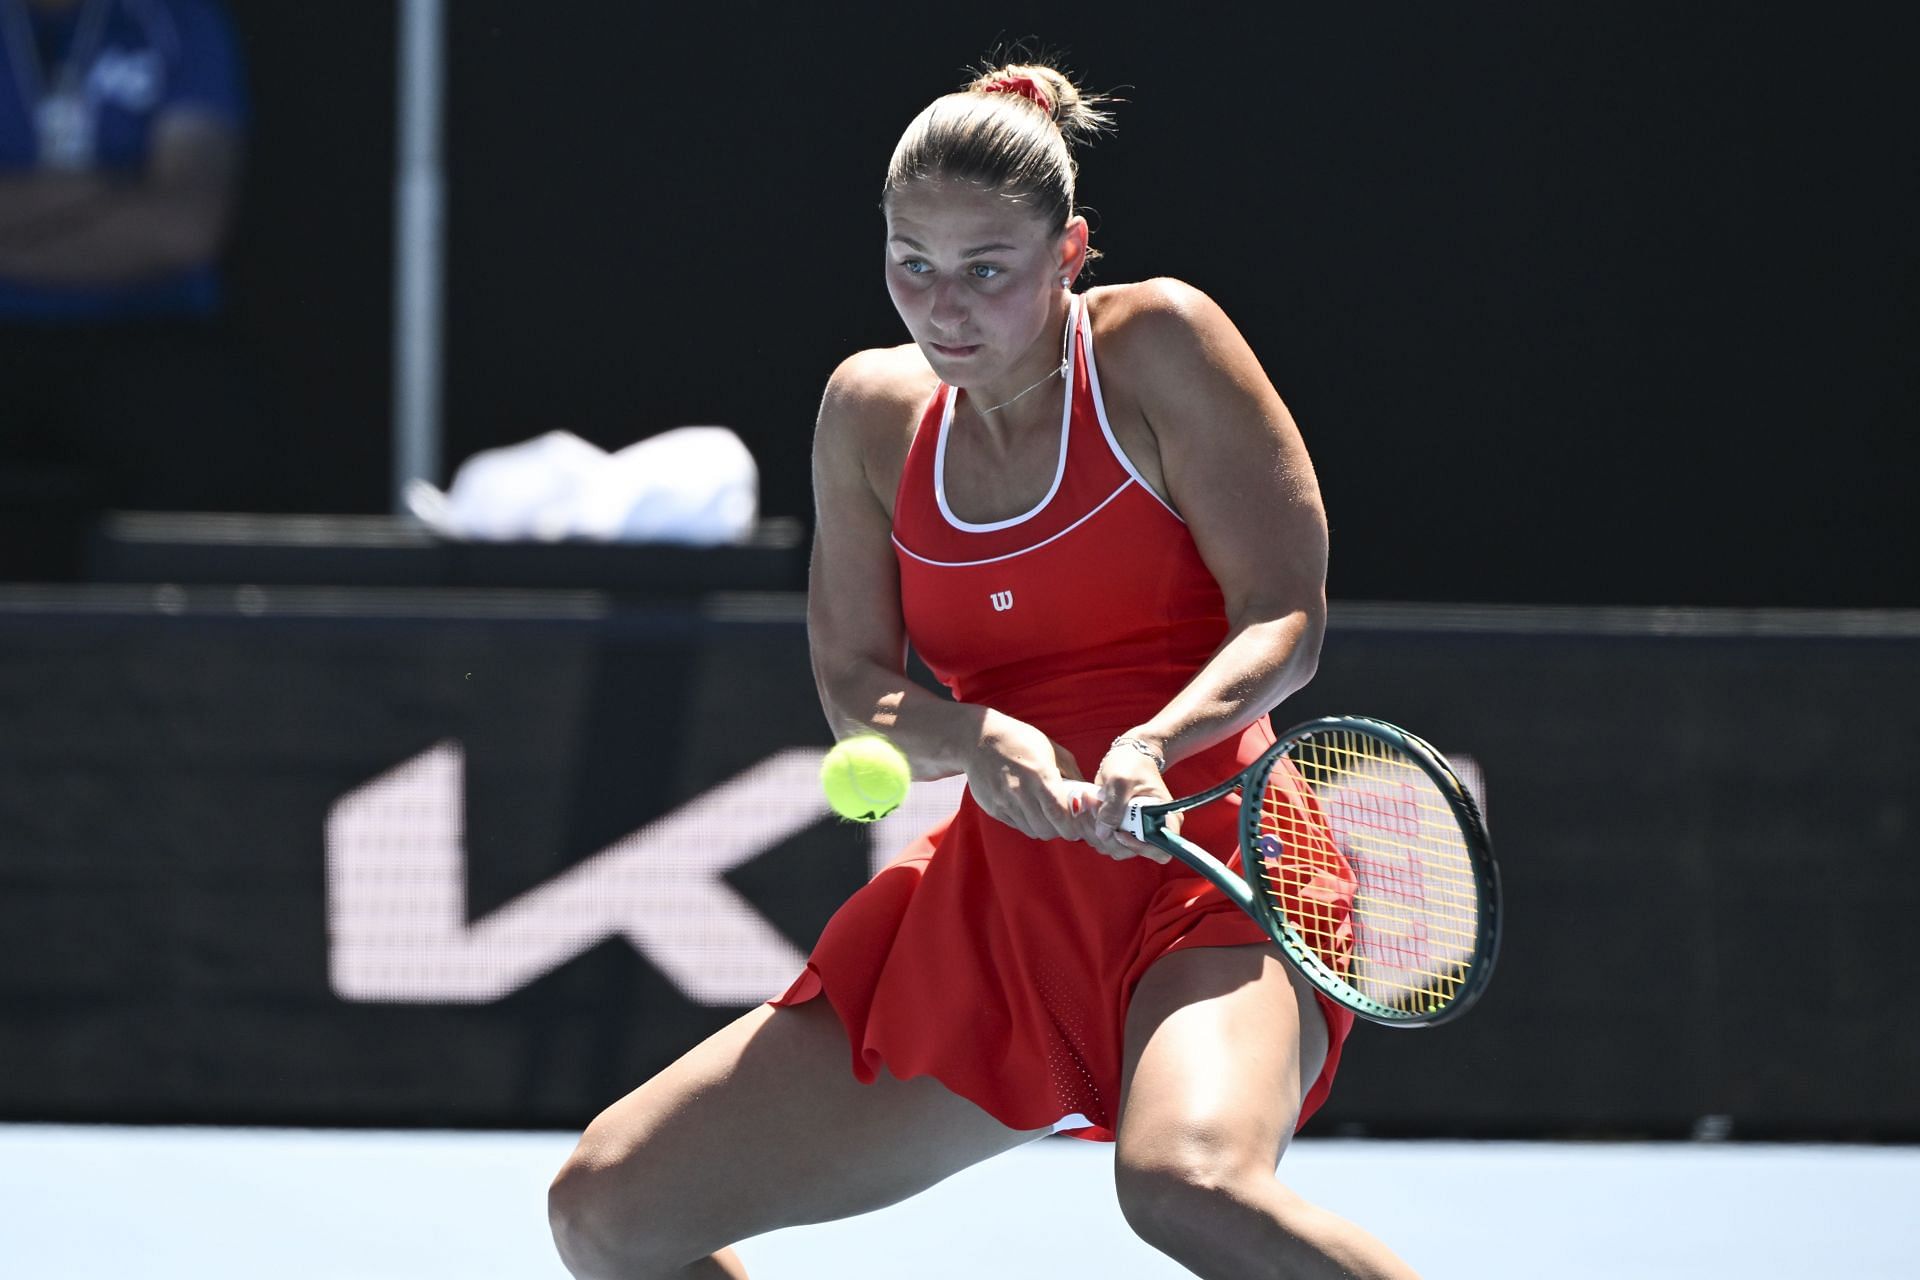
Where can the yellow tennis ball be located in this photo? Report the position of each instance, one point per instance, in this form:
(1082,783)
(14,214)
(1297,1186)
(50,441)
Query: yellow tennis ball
(865,778)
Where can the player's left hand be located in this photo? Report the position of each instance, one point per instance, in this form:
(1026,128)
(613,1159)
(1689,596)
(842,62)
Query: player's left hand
(1125,775)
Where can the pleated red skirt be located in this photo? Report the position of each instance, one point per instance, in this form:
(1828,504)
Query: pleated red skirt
(1003,966)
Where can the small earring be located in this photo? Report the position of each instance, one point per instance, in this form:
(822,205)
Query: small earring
(1066,282)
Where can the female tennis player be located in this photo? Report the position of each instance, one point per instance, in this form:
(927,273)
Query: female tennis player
(1117,566)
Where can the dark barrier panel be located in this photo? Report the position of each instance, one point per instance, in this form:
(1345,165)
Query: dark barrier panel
(1606,276)
(434,857)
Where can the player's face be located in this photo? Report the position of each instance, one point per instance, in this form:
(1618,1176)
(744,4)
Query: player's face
(976,276)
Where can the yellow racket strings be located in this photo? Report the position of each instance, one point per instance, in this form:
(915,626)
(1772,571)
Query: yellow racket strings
(1372,869)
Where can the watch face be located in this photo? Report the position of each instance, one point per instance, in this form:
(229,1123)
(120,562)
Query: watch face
(64,125)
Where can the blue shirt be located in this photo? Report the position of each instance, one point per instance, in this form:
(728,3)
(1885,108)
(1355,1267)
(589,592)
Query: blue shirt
(145,57)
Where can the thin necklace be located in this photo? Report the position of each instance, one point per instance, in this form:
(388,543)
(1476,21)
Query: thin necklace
(1066,334)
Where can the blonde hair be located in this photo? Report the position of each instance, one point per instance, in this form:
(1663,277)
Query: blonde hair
(1011,130)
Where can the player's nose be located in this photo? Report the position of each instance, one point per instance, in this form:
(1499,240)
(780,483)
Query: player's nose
(946,309)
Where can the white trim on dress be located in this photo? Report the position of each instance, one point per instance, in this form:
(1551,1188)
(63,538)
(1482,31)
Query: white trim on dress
(963,564)
(1106,429)
(1060,467)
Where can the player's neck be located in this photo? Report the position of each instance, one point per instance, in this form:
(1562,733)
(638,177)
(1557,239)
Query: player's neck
(1033,394)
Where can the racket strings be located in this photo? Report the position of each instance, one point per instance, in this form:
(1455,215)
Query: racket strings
(1363,856)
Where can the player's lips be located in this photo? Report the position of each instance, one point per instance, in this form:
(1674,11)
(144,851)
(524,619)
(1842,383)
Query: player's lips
(954,353)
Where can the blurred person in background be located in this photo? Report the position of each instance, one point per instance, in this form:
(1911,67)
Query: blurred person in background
(121,130)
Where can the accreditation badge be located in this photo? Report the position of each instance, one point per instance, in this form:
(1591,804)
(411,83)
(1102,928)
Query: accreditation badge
(64,125)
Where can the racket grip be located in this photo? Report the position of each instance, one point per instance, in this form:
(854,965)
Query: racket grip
(1082,794)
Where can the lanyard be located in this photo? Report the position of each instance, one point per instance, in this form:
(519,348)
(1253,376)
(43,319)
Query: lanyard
(25,52)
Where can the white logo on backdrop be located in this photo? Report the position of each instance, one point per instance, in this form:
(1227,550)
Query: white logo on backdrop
(396,858)
(397,922)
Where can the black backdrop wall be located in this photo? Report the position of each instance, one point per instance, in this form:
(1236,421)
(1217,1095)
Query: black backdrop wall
(1598,303)
(446,857)
(1615,302)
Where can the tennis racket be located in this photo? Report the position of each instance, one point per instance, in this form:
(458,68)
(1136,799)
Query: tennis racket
(1365,859)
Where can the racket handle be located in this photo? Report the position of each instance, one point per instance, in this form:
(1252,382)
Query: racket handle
(1082,794)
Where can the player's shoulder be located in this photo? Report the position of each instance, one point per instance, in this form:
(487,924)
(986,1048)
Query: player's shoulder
(1155,326)
(877,386)
(872,405)
(1161,299)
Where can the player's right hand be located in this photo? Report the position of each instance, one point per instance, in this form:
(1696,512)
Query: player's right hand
(1016,774)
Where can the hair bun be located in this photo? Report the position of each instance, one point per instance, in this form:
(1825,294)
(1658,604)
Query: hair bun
(1011,129)
(1048,89)
(1025,86)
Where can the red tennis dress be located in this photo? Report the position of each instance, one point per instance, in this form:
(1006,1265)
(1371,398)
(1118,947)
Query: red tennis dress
(1001,965)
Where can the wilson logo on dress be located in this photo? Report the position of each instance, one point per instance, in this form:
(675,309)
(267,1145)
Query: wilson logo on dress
(1002,601)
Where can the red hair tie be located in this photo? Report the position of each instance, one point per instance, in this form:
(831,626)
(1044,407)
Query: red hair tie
(1025,86)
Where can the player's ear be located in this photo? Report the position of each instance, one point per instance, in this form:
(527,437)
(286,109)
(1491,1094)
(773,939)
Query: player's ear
(1073,250)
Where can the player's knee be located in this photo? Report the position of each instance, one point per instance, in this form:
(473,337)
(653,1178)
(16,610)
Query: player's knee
(1185,1189)
(576,1214)
(599,1232)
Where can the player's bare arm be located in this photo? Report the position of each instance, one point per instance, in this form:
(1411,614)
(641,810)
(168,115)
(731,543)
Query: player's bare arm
(854,623)
(1229,459)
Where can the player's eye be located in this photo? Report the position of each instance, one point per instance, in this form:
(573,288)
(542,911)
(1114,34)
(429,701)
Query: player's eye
(984,270)
(915,267)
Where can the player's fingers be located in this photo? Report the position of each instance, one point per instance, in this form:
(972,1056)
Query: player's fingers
(1056,812)
(1090,825)
(1132,848)
(1063,797)
(1105,840)
(1120,851)
(1101,817)
(1034,810)
(1112,814)
(1005,809)
(1065,765)
(1118,845)
(1031,820)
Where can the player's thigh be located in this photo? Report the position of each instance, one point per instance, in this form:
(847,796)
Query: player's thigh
(1222,1044)
(762,1126)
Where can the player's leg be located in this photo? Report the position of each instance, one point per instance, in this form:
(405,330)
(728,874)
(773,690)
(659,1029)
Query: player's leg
(1221,1045)
(759,1127)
